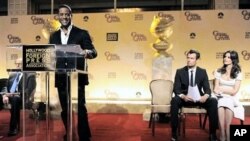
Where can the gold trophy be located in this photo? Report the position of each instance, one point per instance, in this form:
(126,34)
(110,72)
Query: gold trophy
(50,26)
(162,29)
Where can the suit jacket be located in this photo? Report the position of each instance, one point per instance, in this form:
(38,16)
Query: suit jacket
(82,38)
(29,84)
(181,82)
(3,82)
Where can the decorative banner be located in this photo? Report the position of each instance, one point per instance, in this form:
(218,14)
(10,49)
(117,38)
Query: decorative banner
(123,68)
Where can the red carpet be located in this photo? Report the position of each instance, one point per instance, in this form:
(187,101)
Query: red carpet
(110,127)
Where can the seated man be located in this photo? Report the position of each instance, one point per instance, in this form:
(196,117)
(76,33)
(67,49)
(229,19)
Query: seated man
(195,77)
(1,105)
(15,86)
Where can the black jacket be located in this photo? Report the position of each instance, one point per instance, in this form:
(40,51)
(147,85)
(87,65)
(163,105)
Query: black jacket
(181,82)
(80,37)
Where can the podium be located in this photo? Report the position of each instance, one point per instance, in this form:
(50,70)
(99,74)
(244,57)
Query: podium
(46,61)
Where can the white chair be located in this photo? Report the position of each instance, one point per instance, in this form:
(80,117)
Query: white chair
(191,110)
(161,91)
(194,110)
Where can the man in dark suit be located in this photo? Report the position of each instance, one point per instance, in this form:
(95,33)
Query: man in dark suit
(29,80)
(1,106)
(70,34)
(183,79)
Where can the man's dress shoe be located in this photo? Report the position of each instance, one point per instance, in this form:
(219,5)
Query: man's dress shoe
(13,132)
(212,137)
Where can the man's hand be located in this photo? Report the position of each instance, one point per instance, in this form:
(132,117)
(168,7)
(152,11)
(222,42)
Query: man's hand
(5,99)
(87,53)
(84,53)
(203,98)
(187,98)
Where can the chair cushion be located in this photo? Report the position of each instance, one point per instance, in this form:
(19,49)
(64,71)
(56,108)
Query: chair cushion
(160,108)
(193,110)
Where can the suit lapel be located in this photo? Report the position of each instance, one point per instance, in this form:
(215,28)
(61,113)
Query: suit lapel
(11,80)
(197,74)
(71,35)
(186,76)
(58,37)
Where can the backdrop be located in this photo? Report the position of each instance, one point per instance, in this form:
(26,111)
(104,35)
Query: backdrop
(123,68)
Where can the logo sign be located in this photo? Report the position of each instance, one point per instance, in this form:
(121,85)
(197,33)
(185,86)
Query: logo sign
(247,35)
(246,55)
(138,37)
(192,16)
(219,55)
(112,37)
(239,132)
(111,75)
(38,38)
(220,15)
(38,58)
(245,14)
(14,21)
(138,56)
(37,20)
(112,18)
(138,76)
(246,94)
(86,18)
(14,39)
(168,16)
(220,36)
(138,17)
(192,35)
(112,56)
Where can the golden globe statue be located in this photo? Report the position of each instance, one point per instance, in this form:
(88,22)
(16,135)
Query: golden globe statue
(50,26)
(162,29)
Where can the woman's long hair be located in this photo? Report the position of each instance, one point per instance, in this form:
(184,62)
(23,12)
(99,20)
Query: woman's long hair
(235,64)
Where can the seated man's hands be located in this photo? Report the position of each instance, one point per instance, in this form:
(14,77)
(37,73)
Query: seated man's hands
(5,99)
(187,98)
(203,98)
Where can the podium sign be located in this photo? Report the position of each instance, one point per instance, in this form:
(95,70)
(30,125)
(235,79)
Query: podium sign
(39,57)
(47,57)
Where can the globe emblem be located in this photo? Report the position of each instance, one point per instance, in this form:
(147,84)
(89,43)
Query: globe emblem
(162,29)
(50,26)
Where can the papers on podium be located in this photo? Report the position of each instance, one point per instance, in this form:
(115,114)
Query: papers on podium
(194,93)
(76,49)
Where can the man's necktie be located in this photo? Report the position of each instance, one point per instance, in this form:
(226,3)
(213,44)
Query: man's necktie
(192,79)
(15,83)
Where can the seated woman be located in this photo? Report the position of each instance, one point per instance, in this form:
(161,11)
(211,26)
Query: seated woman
(227,84)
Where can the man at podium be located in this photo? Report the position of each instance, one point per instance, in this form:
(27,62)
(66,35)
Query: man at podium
(70,34)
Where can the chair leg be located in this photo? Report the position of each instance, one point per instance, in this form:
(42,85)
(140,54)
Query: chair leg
(150,120)
(18,124)
(241,122)
(153,124)
(200,120)
(179,126)
(184,125)
(204,122)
